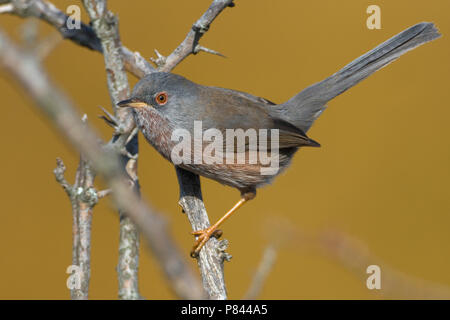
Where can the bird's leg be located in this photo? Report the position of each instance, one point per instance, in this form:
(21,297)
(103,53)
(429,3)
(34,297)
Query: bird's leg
(212,231)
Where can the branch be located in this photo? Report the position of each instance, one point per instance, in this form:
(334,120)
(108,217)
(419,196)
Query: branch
(105,161)
(84,36)
(190,44)
(105,25)
(59,175)
(83,198)
(265,266)
(213,255)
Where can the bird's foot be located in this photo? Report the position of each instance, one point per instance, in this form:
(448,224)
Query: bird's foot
(203,237)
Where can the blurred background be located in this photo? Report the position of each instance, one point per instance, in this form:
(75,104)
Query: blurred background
(377,190)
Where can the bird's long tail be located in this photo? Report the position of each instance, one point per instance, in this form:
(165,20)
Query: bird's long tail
(302,109)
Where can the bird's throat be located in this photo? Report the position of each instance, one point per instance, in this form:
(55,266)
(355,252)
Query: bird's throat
(156,129)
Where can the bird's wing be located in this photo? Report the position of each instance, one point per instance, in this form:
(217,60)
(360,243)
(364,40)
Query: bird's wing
(291,136)
(237,110)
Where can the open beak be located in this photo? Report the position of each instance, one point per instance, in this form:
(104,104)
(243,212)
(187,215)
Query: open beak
(133,103)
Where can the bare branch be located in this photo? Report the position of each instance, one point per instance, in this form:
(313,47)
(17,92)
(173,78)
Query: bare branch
(199,48)
(60,111)
(83,197)
(160,60)
(135,63)
(84,36)
(59,175)
(265,266)
(213,255)
(190,43)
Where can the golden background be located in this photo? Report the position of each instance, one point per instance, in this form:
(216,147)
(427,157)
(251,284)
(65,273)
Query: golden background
(382,175)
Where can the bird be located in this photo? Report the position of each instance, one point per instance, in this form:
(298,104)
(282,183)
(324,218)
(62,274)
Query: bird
(165,103)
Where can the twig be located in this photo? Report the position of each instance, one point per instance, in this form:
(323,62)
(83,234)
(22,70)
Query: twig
(83,198)
(87,199)
(265,266)
(85,36)
(190,43)
(103,193)
(59,175)
(61,113)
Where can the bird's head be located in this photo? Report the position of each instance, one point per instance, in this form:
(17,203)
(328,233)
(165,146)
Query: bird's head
(170,95)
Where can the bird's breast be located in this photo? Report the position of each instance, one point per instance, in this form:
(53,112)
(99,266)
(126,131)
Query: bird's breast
(156,129)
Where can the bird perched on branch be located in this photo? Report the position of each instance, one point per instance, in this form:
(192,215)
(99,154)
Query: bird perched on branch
(168,108)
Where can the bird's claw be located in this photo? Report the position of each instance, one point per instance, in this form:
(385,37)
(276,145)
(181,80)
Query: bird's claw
(203,236)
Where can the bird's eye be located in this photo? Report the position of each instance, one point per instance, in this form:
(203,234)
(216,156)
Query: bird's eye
(161,98)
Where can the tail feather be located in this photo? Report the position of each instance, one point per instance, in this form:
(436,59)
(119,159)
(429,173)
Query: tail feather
(302,109)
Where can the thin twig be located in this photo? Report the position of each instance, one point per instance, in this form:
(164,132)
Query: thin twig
(213,255)
(190,43)
(86,199)
(103,193)
(265,266)
(59,175)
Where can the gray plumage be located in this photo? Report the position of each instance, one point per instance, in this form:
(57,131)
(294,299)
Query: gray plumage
(305,107)
(229,109)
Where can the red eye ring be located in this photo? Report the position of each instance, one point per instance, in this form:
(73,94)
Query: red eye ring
(161,98)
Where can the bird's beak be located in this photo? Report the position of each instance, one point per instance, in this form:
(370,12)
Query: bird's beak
(133,103)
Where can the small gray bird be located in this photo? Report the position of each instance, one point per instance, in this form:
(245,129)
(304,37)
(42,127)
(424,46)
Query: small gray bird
(164,103)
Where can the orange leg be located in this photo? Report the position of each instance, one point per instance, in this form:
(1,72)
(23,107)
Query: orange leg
(212,231)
